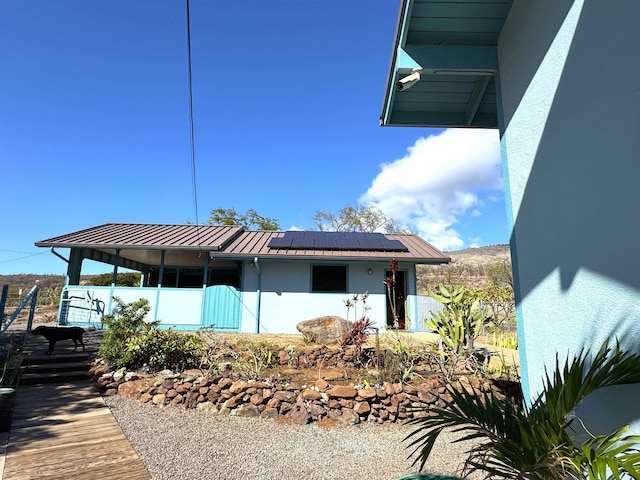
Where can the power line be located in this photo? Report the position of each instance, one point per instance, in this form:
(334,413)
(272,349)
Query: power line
(191,123)
(21,258)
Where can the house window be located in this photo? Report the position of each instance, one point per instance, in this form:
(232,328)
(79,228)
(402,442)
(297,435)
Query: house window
(328,278)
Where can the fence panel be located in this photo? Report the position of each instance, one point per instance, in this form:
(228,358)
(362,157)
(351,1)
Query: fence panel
(426,305)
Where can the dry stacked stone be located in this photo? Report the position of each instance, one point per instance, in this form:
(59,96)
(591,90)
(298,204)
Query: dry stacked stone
(302,403)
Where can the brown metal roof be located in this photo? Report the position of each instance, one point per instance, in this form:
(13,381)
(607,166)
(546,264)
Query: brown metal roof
(134,235)
(255,243)
(233,242)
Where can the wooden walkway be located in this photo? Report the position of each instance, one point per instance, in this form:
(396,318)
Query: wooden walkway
(66,431)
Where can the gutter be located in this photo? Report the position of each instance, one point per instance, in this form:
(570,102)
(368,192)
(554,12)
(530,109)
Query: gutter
(258,293)
(403,15)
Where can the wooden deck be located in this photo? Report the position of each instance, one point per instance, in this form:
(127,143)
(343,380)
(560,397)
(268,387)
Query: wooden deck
(66,431)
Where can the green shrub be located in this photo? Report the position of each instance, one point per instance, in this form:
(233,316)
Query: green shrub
(161,349)
(127,323)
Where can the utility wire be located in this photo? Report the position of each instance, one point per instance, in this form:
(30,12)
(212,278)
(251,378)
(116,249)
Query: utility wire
(191,122)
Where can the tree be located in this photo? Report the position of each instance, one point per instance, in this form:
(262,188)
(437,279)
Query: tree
(358,219)
(249,219)
(129,279)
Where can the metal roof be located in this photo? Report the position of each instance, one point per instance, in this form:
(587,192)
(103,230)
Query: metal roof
(136,235)
(184,244)
(256,243)
(454,43)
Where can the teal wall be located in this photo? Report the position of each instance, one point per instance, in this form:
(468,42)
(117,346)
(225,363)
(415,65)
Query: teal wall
(571,148)
(286,298)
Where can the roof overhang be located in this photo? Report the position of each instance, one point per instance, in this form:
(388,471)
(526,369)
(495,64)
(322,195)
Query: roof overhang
(453,45)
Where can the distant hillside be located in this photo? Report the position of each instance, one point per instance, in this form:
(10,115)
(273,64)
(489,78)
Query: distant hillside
(468,267)
(480,255)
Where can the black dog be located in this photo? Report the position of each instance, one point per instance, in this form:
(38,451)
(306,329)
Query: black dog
(53,334)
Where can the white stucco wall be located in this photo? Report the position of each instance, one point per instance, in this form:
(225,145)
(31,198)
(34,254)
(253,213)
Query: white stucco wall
(571,149)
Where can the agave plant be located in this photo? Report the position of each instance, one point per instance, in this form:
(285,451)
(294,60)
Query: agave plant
(538,441)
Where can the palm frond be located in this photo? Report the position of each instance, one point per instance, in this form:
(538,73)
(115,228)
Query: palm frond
(513,441)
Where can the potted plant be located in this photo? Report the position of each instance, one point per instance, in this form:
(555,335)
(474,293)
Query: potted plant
(536,441)
(11,359)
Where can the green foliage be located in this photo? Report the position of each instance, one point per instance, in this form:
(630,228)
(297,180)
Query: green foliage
(505,340)
(161,349)
(397,362)
(461,321)
(249,219)
(10,359)
(132,342)
(500,273)
(514,441)
(50,296)
(128,279)
(253,358)
(127,323)
(357,219)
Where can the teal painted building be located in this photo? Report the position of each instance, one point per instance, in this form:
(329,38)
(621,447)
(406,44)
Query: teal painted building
(559,79)
(237,280)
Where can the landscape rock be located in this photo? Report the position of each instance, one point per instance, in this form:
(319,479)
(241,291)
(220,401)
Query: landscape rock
(326,330)
(342,391)
(299,416)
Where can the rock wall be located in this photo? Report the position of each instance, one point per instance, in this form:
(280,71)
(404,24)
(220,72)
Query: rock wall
(319,401)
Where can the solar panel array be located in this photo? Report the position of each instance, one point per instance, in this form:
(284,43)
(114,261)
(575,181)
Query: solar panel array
(357,241)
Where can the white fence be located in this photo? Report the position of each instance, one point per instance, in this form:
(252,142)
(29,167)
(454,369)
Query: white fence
(426,305)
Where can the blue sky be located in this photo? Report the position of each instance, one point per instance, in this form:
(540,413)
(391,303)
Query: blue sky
(94,123)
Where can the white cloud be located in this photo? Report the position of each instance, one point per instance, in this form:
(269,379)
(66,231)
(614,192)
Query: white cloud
(440,180)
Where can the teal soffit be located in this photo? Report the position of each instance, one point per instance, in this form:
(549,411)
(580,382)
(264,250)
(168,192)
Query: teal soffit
(453,46)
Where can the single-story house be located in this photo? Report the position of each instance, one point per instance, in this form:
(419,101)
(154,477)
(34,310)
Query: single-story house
(559,80)
(237,280)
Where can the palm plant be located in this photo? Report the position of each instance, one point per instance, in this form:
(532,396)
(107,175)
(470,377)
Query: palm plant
(536,442)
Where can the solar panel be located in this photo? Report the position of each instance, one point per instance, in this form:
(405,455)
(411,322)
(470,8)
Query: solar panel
(357,241)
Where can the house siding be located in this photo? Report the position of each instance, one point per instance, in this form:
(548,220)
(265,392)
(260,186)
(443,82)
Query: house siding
(570,150)
(286,298)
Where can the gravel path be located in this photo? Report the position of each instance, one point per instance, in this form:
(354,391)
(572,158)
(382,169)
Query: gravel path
(176,443)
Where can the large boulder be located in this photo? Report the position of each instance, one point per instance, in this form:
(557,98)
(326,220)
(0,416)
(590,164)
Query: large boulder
(325,330)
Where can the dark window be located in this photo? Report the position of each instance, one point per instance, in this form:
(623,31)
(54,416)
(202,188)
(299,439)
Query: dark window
(329,278)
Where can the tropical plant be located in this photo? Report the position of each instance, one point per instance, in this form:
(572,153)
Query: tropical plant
(253,358)
(462,319)
(11,359)
(390,284)
(538,442)
(361,328)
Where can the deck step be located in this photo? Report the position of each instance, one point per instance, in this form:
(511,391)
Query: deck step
(51,367)
(54,377)
(38,359)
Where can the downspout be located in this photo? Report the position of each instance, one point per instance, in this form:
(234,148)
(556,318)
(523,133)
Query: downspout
(59,256)
(114,278)
(203,302)
(160,279)
(258,293)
